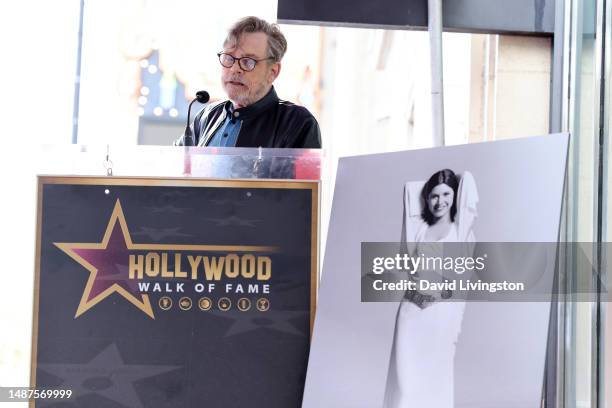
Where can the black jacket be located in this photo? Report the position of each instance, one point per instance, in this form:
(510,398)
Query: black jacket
(269,122)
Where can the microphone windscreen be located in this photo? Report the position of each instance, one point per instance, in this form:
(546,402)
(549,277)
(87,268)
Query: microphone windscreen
(202,96)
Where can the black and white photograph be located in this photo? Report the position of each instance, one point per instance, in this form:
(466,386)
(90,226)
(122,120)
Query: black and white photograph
(442,209)
(422,350)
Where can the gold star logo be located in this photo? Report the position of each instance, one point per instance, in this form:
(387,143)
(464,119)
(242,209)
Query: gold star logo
(107,265)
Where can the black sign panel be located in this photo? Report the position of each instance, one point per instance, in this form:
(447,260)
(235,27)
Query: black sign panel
(392,13)
(174,293)
(493,16)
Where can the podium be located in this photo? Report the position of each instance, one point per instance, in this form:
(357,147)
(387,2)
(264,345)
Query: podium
(186,278)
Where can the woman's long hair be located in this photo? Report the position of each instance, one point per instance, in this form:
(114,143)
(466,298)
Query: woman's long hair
(447,177)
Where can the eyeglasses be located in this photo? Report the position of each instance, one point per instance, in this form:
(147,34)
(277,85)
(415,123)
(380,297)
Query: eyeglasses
(246,63)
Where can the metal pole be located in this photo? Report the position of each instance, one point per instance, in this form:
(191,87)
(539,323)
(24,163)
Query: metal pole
(556,354)
(437,91)
(77,80)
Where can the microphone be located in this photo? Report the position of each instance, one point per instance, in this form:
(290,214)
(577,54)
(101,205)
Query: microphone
(202,97)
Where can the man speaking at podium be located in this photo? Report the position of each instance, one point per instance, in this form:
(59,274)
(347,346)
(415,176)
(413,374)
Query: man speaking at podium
(253,116)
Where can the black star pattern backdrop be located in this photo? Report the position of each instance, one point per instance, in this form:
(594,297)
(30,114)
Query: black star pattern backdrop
(99,334)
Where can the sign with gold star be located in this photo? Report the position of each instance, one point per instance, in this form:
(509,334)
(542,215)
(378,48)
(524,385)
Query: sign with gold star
(163,272)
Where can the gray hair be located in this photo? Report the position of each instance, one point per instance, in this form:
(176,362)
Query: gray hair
(277,44)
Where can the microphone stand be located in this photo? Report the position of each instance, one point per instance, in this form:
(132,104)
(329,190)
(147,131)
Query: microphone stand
(188,137)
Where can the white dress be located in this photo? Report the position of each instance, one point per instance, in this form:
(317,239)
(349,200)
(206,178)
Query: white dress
(421,369)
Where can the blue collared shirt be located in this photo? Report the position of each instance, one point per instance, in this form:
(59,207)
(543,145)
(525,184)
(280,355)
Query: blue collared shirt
(227,134)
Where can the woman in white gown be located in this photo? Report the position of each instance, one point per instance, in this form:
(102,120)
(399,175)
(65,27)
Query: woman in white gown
(421,369)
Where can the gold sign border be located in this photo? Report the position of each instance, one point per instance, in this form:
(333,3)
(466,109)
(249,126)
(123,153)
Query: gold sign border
(102,181)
